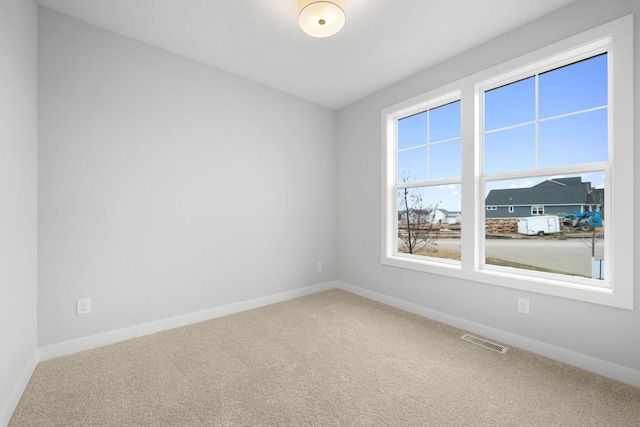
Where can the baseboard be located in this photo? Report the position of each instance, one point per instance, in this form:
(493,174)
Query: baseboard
(598,366)
(99,340)
(12,403)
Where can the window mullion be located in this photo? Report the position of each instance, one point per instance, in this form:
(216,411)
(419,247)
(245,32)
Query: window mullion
(428,136)
(471,164)
(537,119)
(429,183)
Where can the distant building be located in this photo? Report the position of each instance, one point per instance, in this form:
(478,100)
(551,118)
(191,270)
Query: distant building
(443,216)
(560,195)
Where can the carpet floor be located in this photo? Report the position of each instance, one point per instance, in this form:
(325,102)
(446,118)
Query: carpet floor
(327,359)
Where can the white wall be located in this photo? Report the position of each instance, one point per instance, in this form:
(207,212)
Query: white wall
(167,187)
(18,204)
(583,329)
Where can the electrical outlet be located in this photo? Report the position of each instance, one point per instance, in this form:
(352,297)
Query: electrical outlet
(83,306)
(523,305)
(319,266)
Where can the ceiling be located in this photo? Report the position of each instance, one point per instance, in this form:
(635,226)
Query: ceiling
(382,42)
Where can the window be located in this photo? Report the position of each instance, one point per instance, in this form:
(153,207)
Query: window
(553,118)
(525,149)
(427,150)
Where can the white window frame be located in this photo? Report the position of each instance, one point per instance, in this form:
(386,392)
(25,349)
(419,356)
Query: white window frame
(511,209)
(412,107)
(616,38)
(537,210)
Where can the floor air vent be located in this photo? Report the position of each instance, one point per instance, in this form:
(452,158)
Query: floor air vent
(484,343)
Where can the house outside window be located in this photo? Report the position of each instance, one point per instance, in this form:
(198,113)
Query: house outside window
(568,195)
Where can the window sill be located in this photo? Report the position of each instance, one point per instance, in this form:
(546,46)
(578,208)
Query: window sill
(545,284)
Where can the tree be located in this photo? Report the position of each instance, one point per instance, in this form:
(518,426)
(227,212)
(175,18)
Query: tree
(594,240)
(592,245)
(415,222)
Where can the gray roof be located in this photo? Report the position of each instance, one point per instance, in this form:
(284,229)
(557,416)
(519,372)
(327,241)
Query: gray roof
(448,213)
(597,196)
(561,191)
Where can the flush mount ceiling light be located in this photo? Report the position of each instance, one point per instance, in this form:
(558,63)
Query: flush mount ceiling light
(321,18)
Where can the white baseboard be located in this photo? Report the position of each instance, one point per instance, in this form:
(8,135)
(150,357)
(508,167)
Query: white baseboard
(111,337)
(598,366)
(611,370)
(12,403)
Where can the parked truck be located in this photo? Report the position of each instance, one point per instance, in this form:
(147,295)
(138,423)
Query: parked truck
(540,225)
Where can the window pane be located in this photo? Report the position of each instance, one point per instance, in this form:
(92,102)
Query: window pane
(429,221)
(412,165)
(575,87)
(412,131)
(444,122)
(571,140)
(564,235)
(510,105)
(444,160)
(510,150)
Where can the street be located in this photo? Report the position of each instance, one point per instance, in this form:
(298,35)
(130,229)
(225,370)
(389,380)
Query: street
(572,256)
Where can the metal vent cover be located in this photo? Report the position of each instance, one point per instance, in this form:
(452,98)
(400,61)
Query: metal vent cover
(484,343)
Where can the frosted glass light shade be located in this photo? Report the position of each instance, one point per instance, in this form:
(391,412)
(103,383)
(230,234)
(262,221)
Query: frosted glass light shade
(321,18)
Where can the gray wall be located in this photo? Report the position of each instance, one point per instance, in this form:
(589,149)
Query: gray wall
(18,187)
(167,187)
(602,332)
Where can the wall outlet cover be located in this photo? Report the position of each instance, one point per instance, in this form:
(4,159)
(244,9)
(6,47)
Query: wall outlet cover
(83,306)
(523,305)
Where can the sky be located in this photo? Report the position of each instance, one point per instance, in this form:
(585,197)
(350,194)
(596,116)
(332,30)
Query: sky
(565,124)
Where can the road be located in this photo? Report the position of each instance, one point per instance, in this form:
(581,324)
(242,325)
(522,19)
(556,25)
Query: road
(572,256)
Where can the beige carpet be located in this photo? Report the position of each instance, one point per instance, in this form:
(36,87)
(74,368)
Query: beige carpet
(329,359)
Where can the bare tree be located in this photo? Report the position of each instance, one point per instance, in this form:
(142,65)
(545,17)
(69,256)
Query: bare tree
(415,222)
(594,239)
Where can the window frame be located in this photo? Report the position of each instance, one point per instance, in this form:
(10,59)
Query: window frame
(412,107)
(537,210)
(616,38)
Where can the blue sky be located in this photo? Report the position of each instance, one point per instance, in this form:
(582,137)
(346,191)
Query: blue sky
(570,125)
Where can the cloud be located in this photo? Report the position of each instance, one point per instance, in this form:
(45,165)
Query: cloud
(528,183)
